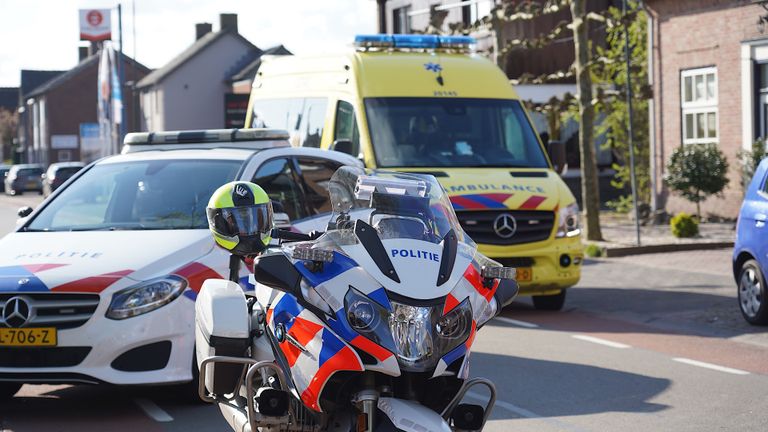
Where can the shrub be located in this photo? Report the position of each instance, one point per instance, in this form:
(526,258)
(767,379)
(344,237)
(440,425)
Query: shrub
(750,159)
(684,225)
(697,171)
(593,251)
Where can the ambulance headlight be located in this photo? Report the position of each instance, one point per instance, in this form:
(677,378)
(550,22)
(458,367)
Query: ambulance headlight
(569,222)
(145,297)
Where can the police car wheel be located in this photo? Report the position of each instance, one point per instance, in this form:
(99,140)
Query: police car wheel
(8,389)
(549,302)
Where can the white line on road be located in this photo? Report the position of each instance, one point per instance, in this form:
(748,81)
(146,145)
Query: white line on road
(153,411)
(517,323)
(601,341)
(522,412)
(710,366)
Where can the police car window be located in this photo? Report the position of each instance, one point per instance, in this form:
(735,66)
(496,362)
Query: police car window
(312,122)
(346,126)
(279,180)
(157,194)
(316,174)
(452,132)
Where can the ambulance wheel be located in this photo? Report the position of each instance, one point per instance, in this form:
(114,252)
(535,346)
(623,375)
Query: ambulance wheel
(8,389)
(550,302)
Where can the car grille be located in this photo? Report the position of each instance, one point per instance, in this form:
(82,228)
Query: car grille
(532,226)
(60,310)
(42,357)
(516,261)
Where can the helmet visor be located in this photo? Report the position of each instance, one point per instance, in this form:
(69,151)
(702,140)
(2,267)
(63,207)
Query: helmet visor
(242,221)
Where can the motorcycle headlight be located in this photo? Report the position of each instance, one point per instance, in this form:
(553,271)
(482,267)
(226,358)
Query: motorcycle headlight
(569,222)
(145,297)
(368,318)
(411,328)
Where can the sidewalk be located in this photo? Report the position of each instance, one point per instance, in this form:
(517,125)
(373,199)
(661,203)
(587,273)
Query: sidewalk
(620,237)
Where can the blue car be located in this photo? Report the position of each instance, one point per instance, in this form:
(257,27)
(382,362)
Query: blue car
(750,254)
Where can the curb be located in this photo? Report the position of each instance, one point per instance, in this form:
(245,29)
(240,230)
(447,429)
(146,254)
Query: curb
(615,252)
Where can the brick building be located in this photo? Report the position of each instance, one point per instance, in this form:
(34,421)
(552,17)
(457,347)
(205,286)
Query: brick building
(54,111)
(709,72)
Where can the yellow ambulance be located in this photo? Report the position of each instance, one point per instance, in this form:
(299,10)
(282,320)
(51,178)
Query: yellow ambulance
(428,104)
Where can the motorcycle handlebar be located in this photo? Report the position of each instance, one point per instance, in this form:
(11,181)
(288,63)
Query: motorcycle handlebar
(295,236)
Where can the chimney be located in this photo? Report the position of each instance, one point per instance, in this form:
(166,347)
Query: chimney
(228,21)
(82,53)
(201,29)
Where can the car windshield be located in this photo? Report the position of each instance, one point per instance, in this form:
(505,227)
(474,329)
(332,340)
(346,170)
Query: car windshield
(29,172)
(396,205)
(152,194)
(67,172)
(452,132)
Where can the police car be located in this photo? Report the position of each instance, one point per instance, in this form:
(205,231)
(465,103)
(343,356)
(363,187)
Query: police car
(98,284)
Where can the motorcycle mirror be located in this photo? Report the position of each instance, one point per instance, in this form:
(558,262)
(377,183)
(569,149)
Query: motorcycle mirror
(498,272)
(276,271)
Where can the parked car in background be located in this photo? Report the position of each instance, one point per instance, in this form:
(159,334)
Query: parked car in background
(23,178)
(98,284)
(58,173)
(750,254)
(4,172)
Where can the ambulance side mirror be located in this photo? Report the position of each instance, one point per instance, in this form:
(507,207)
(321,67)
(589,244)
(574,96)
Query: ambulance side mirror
(343,146)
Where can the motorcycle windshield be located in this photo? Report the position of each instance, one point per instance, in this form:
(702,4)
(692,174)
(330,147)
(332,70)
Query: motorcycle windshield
(397,205)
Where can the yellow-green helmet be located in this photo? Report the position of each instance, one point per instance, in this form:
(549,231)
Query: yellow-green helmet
(240,218)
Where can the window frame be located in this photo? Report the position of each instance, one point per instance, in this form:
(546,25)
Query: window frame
(706,105)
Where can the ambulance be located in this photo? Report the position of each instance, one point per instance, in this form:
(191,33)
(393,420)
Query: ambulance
(429,104)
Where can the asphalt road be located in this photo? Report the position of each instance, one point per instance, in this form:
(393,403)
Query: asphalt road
(652,342)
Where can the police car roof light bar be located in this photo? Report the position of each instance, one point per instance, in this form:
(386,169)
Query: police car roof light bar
(211,138)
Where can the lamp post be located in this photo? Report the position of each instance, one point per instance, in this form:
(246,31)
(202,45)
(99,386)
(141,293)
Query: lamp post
(633,177)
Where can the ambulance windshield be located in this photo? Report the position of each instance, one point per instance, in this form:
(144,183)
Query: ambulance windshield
(452,132)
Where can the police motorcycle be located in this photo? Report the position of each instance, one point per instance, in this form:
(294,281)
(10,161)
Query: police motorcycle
(367,326)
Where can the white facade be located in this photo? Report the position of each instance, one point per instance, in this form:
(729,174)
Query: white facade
(191,94)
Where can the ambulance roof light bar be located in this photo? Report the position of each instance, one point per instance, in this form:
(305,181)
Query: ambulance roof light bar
(409,41)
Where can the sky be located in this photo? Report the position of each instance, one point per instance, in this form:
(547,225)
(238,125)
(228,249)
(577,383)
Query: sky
(44,34)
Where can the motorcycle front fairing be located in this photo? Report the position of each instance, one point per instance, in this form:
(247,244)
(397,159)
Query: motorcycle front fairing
(401,293)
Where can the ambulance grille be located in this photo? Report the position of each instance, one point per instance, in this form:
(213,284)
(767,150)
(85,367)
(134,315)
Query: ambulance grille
(60,310)
(530,226)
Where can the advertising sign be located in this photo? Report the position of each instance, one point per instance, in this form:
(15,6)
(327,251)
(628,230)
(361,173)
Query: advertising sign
(61,142)
(90,142)
(235,108)
(95,24)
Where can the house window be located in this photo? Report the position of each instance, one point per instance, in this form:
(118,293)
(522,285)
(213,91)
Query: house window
(401,22)
(698,95)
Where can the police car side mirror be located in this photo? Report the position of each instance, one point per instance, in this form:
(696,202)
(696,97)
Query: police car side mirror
(556,150)
(343,146)
(24,211)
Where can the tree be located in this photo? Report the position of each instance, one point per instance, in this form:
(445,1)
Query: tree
(590,191)
(611,73)
(9,121)
(697,171)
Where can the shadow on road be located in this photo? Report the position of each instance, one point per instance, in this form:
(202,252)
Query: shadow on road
(556,389)
(640,310)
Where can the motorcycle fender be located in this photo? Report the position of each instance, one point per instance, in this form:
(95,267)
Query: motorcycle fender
(409,416)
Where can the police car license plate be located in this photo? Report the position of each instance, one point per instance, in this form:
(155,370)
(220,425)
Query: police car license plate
(26,337)
(524,274)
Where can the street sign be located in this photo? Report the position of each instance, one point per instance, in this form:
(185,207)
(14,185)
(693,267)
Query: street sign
(95,24)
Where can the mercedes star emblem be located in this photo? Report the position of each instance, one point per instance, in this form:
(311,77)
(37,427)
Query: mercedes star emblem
(505,225)
(17,312)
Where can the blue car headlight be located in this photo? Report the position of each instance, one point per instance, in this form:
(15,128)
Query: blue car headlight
(145,297)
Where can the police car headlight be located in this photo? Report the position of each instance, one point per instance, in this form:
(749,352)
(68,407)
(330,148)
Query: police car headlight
(569,222)
(145,297)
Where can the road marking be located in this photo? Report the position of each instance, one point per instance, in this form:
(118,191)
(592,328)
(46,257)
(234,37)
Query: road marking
(153,411)
(517,323)
(601,341)
(522,412)
(710,366)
